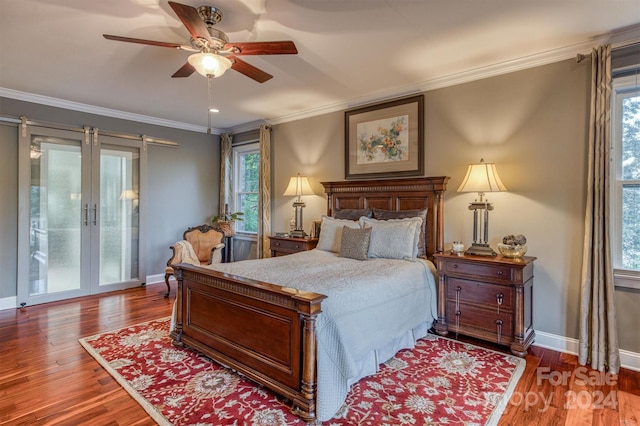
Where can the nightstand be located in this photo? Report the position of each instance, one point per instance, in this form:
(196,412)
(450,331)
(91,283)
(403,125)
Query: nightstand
(489,298)
(281,246)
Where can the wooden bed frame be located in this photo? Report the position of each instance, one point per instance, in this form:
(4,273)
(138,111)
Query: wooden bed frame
(266,331)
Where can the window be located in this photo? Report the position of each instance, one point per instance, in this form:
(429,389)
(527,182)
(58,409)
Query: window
(246,182)
(625,125)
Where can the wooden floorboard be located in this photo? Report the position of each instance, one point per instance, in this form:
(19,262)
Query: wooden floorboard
(47,378)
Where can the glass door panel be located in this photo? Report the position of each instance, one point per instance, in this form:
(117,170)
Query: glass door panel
(119,214)
(54,250)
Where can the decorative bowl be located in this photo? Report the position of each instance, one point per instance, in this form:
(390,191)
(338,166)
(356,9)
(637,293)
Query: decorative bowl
(512,251)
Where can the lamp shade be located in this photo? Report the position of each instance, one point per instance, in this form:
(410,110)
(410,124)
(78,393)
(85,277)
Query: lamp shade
(209,64)
(482,177)
(298,185)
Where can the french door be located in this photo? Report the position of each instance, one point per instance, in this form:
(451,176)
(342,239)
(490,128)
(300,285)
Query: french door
(80,205)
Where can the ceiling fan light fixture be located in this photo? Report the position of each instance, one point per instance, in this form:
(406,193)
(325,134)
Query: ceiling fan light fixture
(209,64)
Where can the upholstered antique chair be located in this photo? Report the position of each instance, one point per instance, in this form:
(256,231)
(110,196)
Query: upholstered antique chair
(201,245)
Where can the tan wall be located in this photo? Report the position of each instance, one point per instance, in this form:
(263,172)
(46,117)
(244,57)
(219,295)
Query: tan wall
(533,125)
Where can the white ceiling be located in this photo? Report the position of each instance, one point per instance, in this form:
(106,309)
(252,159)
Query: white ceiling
(350,51)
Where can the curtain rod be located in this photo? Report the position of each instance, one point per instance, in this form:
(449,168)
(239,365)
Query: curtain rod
(581,56)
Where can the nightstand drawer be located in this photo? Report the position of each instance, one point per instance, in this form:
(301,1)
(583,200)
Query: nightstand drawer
(282,245)
(474,286)
(473,317)
(490,295)
(287,245)
(496,272)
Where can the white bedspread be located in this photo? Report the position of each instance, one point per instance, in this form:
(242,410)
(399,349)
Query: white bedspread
(370,304)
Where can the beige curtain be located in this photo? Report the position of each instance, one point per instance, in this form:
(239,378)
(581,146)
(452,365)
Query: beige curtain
(598,329)
(264,197)
(226,167)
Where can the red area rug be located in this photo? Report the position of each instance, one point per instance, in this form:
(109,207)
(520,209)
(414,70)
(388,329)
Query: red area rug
(441,381)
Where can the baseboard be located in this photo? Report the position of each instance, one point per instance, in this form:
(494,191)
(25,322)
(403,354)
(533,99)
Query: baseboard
(8,303)
(628,359)
(153,279)
(12,302)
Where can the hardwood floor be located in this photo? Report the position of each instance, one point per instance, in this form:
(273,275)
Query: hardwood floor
(46,377)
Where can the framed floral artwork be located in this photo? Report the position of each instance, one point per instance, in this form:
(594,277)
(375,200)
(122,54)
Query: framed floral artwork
(385,139)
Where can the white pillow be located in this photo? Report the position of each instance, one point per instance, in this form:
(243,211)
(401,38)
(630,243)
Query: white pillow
(331,232)
(393,238)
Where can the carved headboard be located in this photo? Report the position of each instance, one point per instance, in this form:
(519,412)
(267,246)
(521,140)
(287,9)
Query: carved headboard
(395,194)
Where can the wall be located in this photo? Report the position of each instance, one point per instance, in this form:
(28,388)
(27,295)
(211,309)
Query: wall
(183,182)
(8,210)
(533,125)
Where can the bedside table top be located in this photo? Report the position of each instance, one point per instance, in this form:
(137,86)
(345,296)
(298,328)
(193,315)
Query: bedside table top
(499,259)
(288,238)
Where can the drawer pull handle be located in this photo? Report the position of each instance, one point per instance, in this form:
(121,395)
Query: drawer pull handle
(499,330)
(455,266)
(458,313)
(499,298)
(297,246)
(500,272)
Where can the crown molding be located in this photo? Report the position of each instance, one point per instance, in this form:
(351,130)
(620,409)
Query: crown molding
(107,112)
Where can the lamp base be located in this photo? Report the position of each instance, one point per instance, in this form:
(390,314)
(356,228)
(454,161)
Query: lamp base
(298,233)
(479,249)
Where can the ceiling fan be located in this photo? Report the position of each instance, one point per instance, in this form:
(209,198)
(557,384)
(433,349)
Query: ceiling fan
(213,53)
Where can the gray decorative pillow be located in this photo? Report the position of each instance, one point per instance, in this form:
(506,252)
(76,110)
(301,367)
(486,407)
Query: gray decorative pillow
(351,214)
(355,243)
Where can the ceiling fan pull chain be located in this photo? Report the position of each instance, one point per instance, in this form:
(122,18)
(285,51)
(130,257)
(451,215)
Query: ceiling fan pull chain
(210,106)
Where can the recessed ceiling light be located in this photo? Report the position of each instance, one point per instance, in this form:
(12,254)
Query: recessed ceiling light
(214,110)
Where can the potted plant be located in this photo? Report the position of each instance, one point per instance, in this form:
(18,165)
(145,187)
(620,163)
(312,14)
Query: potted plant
(226,221)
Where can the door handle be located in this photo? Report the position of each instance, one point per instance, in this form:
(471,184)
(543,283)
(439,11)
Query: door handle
(86,214)
(95,214)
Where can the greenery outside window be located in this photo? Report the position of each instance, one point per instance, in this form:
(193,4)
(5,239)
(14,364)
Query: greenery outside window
(246,183)
(625,206)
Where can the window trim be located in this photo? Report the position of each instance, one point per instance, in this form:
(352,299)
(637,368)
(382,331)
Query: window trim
(237,150)
(622,87)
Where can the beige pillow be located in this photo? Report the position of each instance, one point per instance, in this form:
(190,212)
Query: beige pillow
(402,214)
(355,243)
(393,238)
(331,232)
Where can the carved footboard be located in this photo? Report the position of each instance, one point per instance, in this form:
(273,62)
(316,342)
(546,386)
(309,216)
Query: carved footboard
(265,331)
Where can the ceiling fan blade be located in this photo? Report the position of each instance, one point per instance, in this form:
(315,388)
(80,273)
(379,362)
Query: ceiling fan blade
(249,70)
(263,48)
(185,71)
(142,41)
(191,20)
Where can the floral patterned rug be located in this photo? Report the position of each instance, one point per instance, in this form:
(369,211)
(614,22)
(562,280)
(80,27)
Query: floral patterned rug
(440,381)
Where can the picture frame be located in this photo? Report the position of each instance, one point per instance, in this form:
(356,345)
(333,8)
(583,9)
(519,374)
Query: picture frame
(315,229)
(385,139)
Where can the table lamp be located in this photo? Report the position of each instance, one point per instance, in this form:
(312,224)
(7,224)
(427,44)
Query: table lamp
(298,186)
(481,177)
